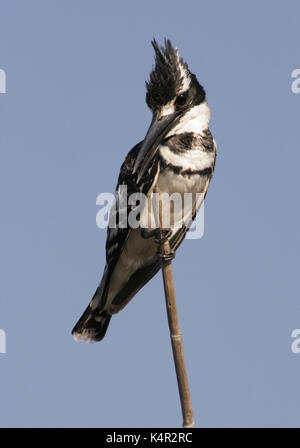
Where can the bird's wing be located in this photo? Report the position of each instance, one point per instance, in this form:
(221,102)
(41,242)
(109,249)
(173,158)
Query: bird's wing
(117,235)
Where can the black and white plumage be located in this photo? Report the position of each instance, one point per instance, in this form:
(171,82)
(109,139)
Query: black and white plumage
(178,156)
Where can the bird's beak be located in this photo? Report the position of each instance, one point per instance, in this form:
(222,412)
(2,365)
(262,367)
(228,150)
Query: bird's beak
(159,128)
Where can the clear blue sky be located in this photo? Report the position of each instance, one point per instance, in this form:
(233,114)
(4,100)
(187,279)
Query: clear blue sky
(74,107)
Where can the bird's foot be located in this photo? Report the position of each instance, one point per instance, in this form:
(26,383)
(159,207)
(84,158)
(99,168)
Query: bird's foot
(166,257)
(164,252)
(162,235)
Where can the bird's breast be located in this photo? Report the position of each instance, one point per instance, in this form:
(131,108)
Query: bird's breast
(184,172)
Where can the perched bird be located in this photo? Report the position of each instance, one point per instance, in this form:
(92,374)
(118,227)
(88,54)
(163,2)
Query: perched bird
(177,156)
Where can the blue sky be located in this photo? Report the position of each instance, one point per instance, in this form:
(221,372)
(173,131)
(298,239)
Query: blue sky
(74,106)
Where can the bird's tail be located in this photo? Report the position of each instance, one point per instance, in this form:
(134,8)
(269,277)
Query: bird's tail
(93,323)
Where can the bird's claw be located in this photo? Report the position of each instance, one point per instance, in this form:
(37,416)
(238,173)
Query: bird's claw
(166,257)
(162,235)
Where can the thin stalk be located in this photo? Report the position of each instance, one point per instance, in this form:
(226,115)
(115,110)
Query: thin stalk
(175,332)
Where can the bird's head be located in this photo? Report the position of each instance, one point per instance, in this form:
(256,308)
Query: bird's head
(175,97)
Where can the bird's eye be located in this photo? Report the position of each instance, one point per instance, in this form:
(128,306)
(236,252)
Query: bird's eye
(181,99)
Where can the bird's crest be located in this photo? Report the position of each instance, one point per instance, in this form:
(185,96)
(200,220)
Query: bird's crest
(168,76)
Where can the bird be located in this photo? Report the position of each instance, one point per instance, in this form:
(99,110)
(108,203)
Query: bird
(177,156)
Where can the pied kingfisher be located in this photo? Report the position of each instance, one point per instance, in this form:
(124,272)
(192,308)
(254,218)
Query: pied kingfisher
(177,156)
